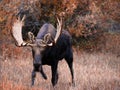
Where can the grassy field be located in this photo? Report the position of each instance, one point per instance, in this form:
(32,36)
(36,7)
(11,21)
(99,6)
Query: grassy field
(93,71)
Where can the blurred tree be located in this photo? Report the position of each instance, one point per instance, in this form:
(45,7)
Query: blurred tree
(83,18)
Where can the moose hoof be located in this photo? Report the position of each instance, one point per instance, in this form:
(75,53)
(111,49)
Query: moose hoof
(32,84)
(45,77)
(73,84)
(54,82)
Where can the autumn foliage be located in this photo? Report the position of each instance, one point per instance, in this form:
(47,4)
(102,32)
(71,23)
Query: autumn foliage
(86,20)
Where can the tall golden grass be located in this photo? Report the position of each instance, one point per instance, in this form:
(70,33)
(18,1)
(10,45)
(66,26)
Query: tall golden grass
(93,71)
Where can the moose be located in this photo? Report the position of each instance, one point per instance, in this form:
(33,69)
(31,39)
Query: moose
(49,47)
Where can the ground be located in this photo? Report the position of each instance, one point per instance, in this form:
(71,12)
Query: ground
(93,71)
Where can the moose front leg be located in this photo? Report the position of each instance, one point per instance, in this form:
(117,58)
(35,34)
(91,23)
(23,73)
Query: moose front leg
(42,72)
(54,79)
(33,77)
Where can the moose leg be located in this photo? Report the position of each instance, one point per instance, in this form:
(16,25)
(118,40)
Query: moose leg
(42,72)
(54,79)
(69,60)
(70,64)
(33,76)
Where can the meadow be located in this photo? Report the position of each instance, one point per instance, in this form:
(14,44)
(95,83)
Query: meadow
(93,71)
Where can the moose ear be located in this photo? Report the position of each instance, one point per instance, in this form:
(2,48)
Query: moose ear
(31,37)
(47,37)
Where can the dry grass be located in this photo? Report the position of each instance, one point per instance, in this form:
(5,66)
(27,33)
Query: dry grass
(96,71)
(112,43)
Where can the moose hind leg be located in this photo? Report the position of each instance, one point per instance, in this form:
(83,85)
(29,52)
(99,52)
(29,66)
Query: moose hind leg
(33,77)
(69,60)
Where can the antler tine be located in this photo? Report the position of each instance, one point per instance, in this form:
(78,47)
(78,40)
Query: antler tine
(59,28)
(23,18)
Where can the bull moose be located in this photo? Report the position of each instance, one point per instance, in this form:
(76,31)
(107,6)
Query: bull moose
(49,47)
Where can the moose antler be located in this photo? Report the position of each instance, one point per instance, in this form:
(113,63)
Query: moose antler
(17,34)
(59,30)
(47,37)
(17,31)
